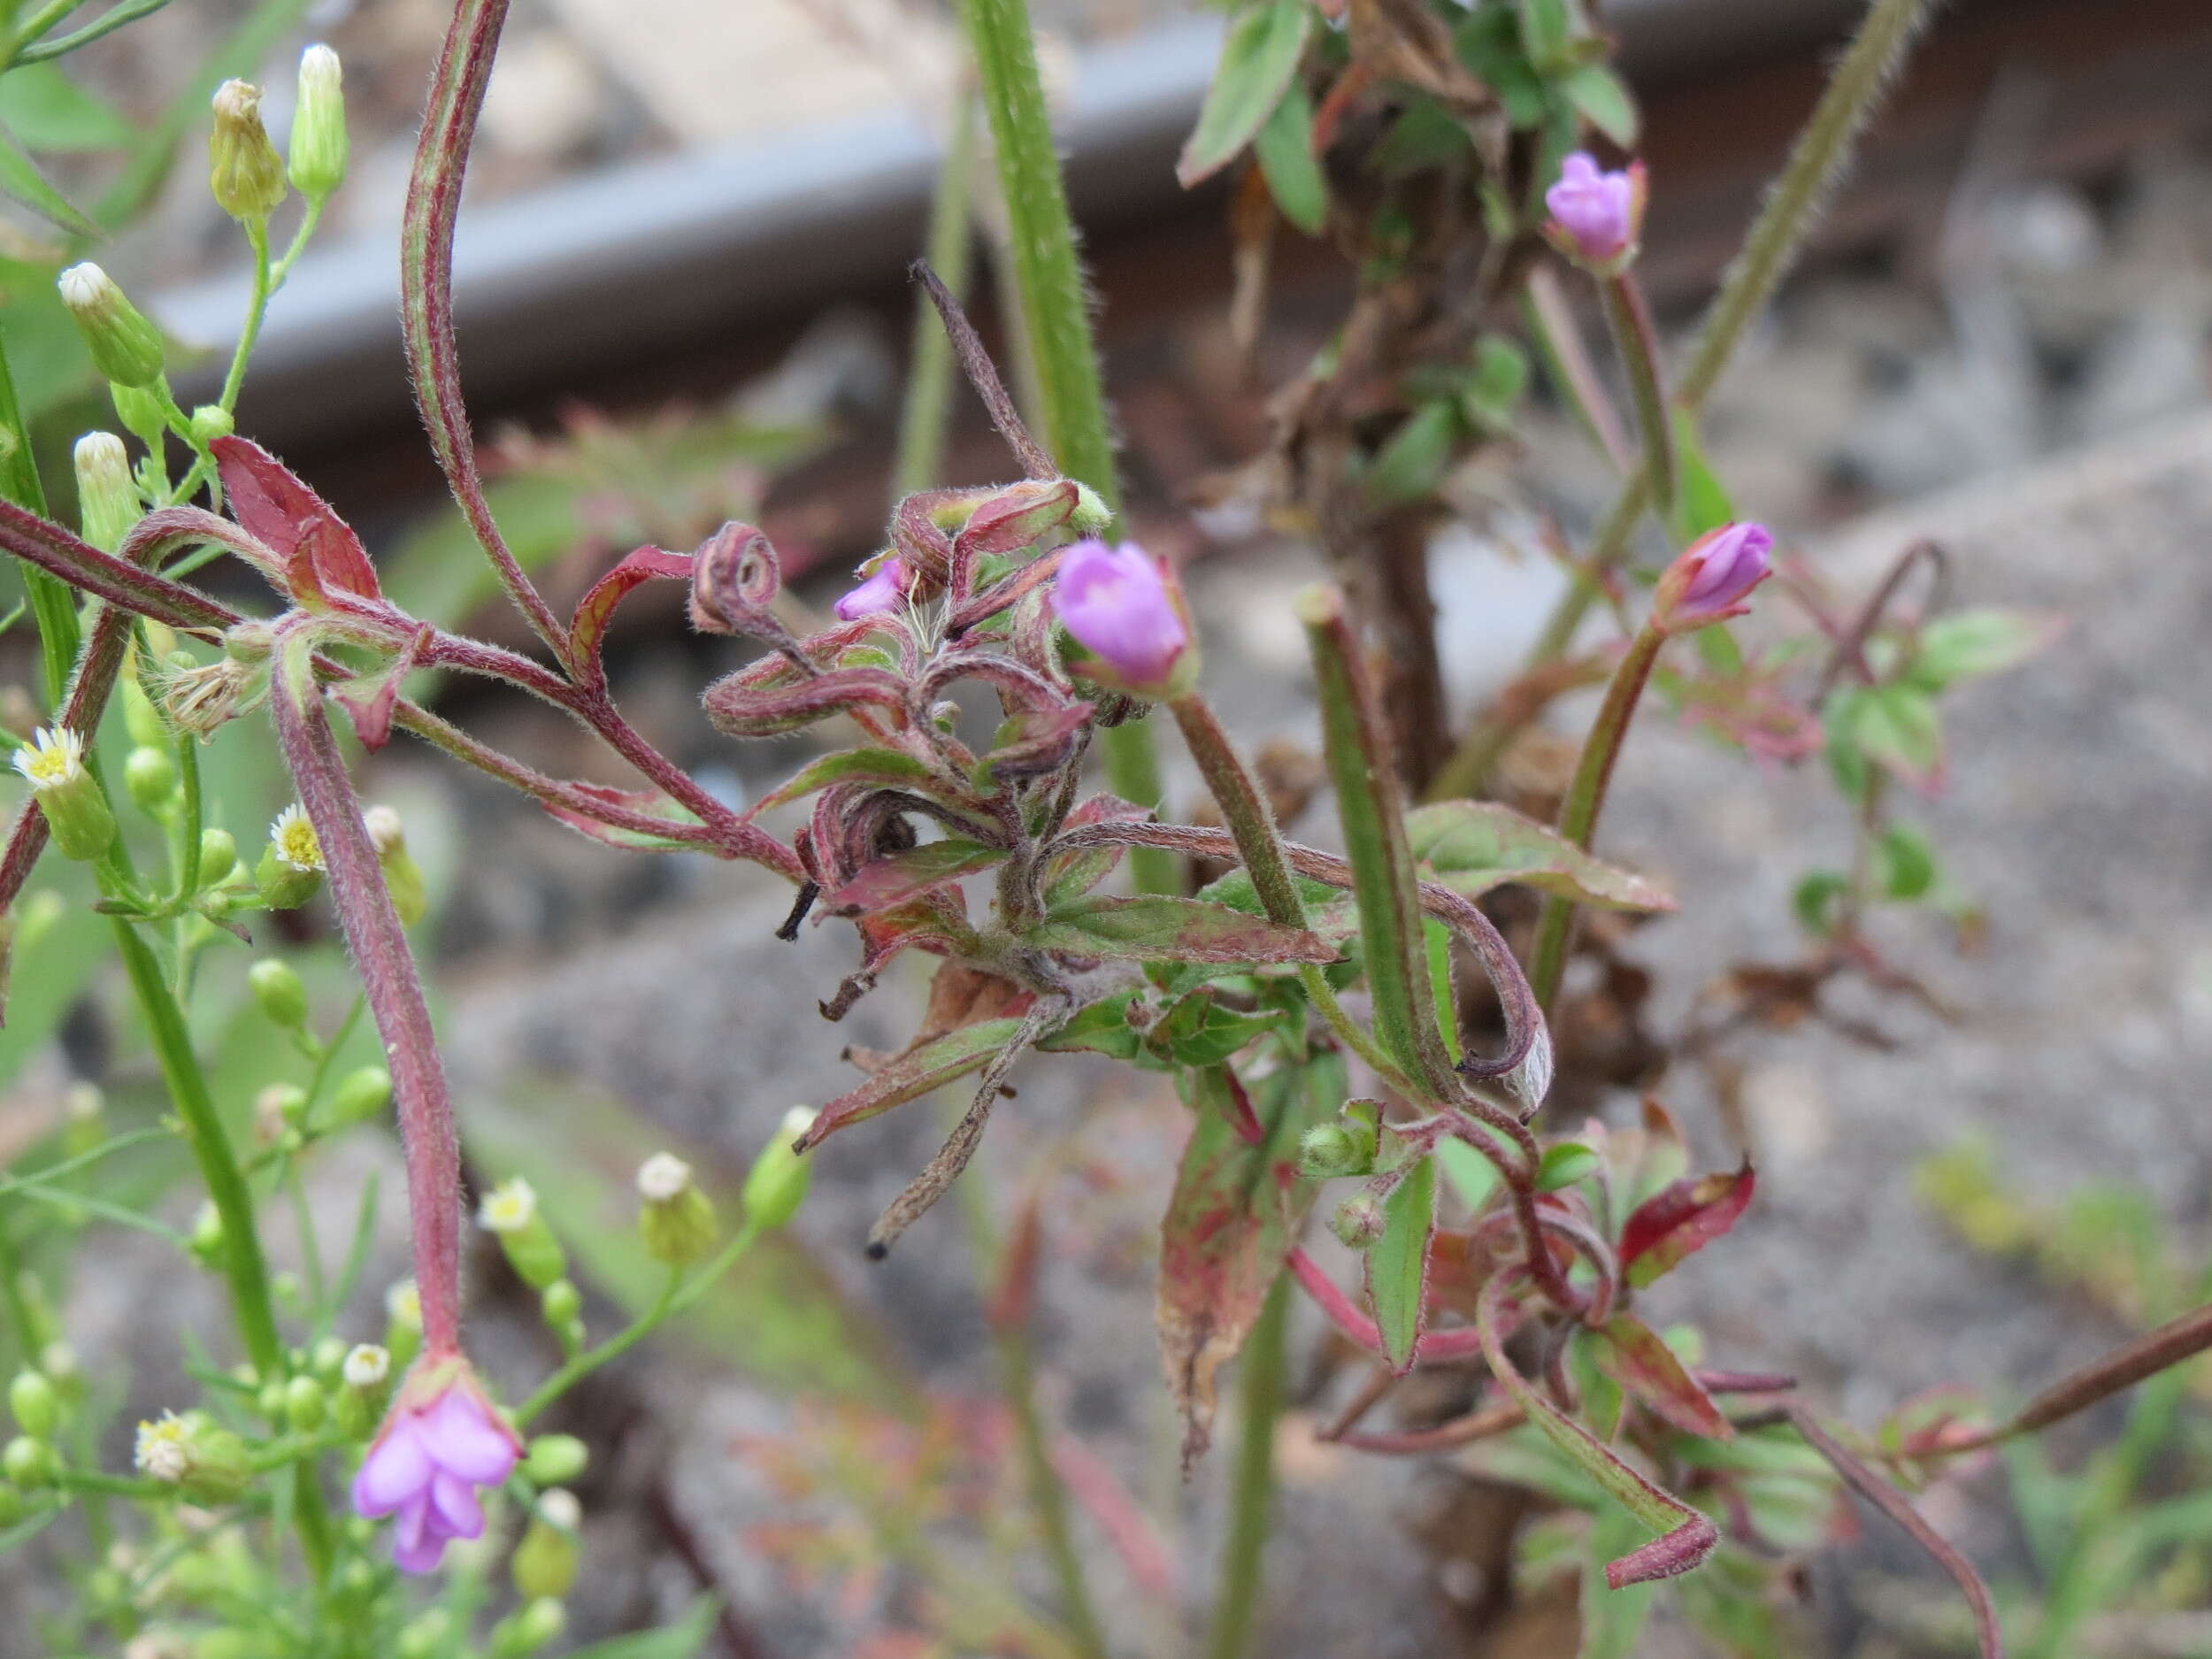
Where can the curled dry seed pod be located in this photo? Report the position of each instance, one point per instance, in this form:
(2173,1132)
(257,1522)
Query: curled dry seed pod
(735,576)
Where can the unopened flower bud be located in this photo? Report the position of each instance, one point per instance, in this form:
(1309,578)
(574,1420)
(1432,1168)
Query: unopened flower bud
(403,876)
(425,1636)
(277,988)
(776,1185)
(210,421)
(554,1460)
(360,1096)
(30,1463)
(76,811)
(37,1407)
(1018,516)
(1530,1081)
(244,170)
(327,1362)
(206,1462)
(1358,1220)
(291,865)
(124,347)
(1328,1150)
(1092,515)
(1712,577)
(219,856)
(562,1304)
(545,1561)
(510,1212)
(1120,606)
(304,1405)
(107,496)
(677,1221)
(85,1113)
(319,126)
(1596,216)
(365,1376)
(150,777)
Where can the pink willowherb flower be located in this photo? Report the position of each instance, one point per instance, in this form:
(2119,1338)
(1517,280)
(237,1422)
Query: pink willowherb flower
(441,1442)
(1712,578)
(885,590)
(1118,605)
(1596,215)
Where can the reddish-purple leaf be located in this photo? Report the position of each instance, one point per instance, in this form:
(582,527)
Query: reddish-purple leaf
(749,703)
(898,877)
(1682,1216)
(596,609)
(292,521)
(1068,876)
(369,699)
(1631,1353)
(1235,1210)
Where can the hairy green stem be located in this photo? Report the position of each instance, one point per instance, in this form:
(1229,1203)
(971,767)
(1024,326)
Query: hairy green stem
(1638,342)
(1050,279)
(243,1265)
(1585,797)
(1261,1370)
(949,250)
(1822,151)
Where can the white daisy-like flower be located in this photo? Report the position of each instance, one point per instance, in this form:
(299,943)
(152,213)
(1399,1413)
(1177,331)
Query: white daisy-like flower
(662,1176)
(509,1207)
(292,838)
(366,1366)
(53,758)
(163,1449)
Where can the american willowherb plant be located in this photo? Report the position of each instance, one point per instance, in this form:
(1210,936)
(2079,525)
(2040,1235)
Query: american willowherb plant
(1310,1005)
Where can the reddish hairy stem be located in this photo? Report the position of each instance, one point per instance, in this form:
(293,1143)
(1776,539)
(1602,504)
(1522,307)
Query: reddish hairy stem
(434,203)
(1863,1479)
(1358,1328)
(393,992)
(2172,1343)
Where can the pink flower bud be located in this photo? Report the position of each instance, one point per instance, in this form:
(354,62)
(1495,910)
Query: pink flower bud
(1596,216)
(885,590)
(1709,582)
(1118,603)
(441,1442)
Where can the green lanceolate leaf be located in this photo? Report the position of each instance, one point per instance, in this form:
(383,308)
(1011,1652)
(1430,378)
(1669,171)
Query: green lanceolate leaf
(1897,727)
(1701,502)
(1613,1620)
(1398,1263)
(20,178)
(1473,846)
(1604,100)
(1978,642)
(1285,151)
(48,113)
(1415,460)
(1155,928)
(1564,1164)
(1257,62)
(853,766)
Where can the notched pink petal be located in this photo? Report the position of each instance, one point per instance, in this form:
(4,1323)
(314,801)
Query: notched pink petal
(462,1437)
(454,1506)
(396,1468)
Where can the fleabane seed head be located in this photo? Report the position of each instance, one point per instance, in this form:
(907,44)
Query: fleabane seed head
(386,835)
(163,1450)
(509,1207)
(366,1366)
(53,759)
(662,1176)
(558,1505)
(292,839)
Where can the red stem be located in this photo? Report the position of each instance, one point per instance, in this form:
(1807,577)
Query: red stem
(393,990)
(433,203)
